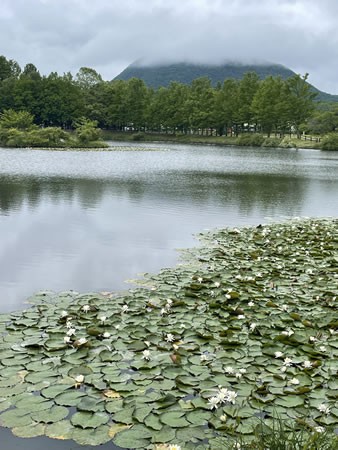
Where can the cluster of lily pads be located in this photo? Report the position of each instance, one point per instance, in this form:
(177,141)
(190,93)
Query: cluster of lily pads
(244,330)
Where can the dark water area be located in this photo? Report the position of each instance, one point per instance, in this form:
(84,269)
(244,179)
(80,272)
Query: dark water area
(88,221)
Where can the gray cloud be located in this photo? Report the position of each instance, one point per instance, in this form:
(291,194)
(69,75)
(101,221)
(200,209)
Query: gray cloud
(109,34)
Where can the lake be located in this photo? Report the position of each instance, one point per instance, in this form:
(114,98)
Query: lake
(88,221)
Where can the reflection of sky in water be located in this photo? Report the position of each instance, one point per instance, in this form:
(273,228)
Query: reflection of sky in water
(90,220)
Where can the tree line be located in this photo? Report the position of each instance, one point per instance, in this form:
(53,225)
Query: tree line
(272,105)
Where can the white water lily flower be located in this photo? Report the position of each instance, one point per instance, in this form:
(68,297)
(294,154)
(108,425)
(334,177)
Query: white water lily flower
(102,319)
(82,341)
(66,339)
(287,362)
(238,375)
(164,311)
(320,429)
(217,284)
(241,316)
(294,381)
(322,348)
(169,303)
(174,447)
(228,296)
(251,304)
(279,354)
(147,343)
(242,371)
(307,364)
(106,335)
(213,402)
(200,279)
(253,326)
(284,307)
(313,339)
(288,332)
(79,378)
(203,358)
(125,308)
(146,355)
(223,418)
(324,408)
(182,325)
(170,337)
(232,397)
(85,308)
(283,369)
(229,370)
(71,332)
(64,313)
(69,323)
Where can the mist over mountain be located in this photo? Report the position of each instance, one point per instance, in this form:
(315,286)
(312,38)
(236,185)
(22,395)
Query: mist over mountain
(162,74)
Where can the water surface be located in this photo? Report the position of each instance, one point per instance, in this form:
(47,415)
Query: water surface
(88,221)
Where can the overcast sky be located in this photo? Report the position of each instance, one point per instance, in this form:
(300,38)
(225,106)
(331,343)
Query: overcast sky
(107,35)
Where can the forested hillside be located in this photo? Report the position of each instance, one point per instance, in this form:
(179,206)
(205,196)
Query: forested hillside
(159,75)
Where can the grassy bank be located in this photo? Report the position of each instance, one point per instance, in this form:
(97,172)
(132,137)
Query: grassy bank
(211,354)
(255,140)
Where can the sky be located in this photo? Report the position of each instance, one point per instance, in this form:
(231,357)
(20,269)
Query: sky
(108,35)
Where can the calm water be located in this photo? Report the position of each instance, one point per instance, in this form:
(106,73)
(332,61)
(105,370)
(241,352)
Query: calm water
(90,220)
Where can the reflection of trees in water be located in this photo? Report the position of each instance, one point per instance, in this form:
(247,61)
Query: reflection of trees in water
(245,191)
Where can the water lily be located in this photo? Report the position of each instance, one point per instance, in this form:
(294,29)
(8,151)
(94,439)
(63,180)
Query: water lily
(69,324)
(232,397)
(307,364)
(217,284)
(174,447)
(319,429)
(322,348)
(71,332)
(253,326)
(294,381)
(164,311)
(64,313)
(102,319)
(125,308)
(66,339)
(82,341)
(279,354)
(200,279)
(287,362)
(203,358)
(85,308)
(242,371)
(79,378)
(170,337)
(229,370)
(223,418)
(214,402)
(324,408)
(146,355)
(251,304)
(241,316)
(106,335)
(238,375)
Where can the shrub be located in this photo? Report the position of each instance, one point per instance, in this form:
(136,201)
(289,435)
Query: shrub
(330,142)
(272,142)
(250,140)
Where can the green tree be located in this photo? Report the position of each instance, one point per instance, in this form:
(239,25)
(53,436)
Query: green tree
(226,106)
(8,68)
(201,104)
(270,106)
(247,89)
(301,100)
(86,130)
(21,120)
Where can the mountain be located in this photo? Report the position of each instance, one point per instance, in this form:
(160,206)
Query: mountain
(159,75)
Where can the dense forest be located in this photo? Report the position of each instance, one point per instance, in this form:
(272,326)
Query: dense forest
(272,105)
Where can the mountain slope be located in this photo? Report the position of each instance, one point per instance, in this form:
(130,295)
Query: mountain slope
(159,75)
